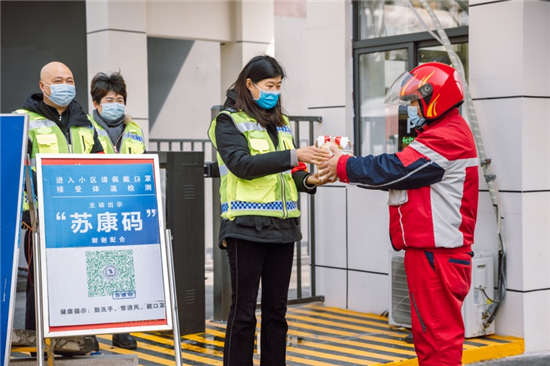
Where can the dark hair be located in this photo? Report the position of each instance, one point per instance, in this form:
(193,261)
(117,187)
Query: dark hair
(257,69)
(102,84)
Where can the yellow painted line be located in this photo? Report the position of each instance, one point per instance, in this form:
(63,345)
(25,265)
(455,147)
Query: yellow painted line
(166,351)
(514,348)
(472,353)
(504,338)
(222,334)
(197,338)
(309,341)
(358,344)
(411,362)
(142,356)
(299,333)
(306,361)
(389,341)
(328,356)
(468,346)
(343,318)
(482,341)
(22,349)
(477,354)
(297,349)
(345,350)
(309,336)
(215,332)
(345,311)
(325,313)
(337,324)
(184,346)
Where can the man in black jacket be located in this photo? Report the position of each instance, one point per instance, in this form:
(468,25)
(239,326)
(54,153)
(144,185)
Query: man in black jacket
(50,112)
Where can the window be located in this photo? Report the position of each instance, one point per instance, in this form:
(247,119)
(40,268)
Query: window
(378,71)
(383,18)
(439,54)
(389,39)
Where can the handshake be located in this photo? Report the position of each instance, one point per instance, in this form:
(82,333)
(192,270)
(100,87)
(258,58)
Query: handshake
(325,155)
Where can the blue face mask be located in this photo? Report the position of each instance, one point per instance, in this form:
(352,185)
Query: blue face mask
(414,118)
(61,94)
(267,99)
(112,111)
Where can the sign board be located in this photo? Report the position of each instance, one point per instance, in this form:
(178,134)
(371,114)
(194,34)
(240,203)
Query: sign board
(103,259)
(13,149)
(406,131)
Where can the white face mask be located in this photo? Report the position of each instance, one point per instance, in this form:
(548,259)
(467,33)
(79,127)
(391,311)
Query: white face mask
(414,118)
(112,111)
(61,94)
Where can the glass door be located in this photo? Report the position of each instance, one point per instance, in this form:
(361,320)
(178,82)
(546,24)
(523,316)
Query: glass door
(377,127)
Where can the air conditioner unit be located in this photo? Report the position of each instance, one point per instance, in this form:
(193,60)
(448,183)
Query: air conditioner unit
(475,303)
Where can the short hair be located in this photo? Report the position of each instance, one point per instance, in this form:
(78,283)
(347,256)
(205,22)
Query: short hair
(102,84)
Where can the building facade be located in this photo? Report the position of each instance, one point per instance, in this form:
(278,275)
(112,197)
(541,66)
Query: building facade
(179,57)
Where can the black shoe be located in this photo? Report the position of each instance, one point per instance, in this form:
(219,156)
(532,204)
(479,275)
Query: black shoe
(33,354)
(96,344)
(409,338)
(124,340)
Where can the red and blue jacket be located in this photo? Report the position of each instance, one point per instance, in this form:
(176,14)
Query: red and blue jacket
(433,185)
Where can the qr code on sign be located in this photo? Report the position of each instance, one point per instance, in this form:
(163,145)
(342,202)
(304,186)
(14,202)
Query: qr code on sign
(110,271)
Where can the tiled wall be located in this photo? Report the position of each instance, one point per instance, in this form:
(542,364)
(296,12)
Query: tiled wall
(509,75)
(117,40)
(510,82)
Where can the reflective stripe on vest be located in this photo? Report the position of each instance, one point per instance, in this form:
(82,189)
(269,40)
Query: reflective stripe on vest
(46,137)
(273,195)
(132,139)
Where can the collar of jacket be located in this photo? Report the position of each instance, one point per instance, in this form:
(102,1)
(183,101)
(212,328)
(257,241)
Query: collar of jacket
(75,113)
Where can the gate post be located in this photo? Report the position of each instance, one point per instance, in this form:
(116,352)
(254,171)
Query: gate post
(222,276)
(185,219)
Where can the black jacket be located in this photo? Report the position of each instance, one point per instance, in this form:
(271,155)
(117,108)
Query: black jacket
(72,116)
(234,150)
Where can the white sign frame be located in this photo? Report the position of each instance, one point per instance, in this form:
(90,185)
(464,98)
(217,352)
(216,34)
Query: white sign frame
(105,328)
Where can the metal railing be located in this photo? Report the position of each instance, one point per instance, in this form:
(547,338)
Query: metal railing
(168,144)
(305,135)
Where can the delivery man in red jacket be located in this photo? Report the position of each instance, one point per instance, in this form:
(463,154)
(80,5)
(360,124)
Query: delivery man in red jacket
(433,197)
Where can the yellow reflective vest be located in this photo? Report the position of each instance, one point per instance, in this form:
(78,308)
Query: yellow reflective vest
(132,139)
(273,195)
(45,136)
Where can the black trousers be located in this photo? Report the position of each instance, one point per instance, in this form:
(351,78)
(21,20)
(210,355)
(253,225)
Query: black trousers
(249,263)
(30,320)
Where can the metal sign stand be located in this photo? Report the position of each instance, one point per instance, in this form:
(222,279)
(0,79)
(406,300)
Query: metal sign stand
(176,323)
(44,340)
(36,268)
(38,301)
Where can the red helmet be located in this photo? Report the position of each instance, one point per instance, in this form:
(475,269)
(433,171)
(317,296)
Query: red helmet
(436,86)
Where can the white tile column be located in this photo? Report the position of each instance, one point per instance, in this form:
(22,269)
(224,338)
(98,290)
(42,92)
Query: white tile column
(510,84)
(117,41)
(329,94)
(254,35)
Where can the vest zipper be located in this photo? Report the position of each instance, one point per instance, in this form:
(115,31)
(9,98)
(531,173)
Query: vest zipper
(67,136)
(117,140)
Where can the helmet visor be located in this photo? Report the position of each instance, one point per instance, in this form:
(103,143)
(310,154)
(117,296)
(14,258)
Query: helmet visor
(406,88)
